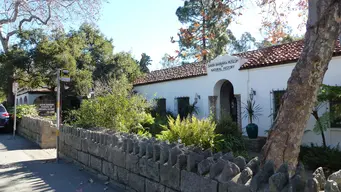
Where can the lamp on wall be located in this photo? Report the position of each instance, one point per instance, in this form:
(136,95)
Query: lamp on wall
(252,93)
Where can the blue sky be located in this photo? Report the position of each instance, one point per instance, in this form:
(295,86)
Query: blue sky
(145,26)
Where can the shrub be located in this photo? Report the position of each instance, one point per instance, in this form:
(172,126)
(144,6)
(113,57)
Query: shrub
(119,110)
(160,122)
(25,110)
(314,156)
(226,126)
(191,131)
(230,137)
(227,143)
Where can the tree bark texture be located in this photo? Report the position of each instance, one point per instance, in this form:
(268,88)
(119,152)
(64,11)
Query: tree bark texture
(285,137)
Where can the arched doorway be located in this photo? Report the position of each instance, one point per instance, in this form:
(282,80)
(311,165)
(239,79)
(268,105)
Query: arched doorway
(226,101)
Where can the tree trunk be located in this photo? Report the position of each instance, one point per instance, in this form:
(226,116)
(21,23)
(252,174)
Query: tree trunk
(10,96)
(315,114)
(284,140)
(204,38)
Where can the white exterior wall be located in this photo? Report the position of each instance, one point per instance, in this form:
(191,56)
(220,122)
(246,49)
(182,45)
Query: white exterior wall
(262,80)
(30,97)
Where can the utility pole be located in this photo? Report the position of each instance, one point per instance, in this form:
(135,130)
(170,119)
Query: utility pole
(58,112)
(15,91)
(62,75)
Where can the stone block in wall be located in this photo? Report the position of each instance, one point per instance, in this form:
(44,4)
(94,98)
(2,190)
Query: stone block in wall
(132,163)
(231,186)
(255,145)
(136,182)
(117,157)
(73,153)
(103,152)
(95,163)
(68,139)
(109,170)
(170,176)
(85,145)
(84,158)
(94,149)
(169,190)
(149,169)
(191,182)
(77,142)
(152,186)
(122,175)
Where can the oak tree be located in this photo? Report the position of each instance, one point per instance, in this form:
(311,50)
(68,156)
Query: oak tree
(322,32)
(18,15)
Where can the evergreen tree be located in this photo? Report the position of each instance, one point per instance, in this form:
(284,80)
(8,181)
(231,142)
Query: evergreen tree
(206,34)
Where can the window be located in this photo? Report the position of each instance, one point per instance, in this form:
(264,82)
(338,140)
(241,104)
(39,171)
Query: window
(2,109)
(335,111)
(183,106)
(160,106)
(277,98)
(25,100)
(20,101)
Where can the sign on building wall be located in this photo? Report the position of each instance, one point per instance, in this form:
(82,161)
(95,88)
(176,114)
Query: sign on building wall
(222,65)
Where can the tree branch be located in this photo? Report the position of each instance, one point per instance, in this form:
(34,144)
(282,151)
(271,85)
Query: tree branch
(37,18)
(15,16)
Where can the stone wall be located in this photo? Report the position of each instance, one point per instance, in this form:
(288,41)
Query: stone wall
(255,145)
(39,130)
(147,165)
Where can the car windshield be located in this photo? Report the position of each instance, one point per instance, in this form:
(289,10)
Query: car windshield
(2,109)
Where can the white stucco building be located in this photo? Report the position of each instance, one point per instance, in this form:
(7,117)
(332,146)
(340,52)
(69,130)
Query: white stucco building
(34,96)
(226,82)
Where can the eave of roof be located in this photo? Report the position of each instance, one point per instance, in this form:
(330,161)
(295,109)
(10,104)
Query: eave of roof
(265,57)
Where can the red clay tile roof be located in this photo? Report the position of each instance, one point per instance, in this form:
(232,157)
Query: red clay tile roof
(275,55)
(180,72)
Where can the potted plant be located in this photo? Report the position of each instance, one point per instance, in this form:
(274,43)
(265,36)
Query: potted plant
(252,111)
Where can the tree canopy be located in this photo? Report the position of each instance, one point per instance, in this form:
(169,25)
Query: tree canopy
(18,15)
(86,53)
(204,36)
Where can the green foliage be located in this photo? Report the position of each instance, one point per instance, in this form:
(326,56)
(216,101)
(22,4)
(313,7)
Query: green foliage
(191,131)
(252,111)
(226,126)
(229,137)
(160,122)
(166,62)
(2,96)
(329,93)
(323,123)
(245,43)
(314,156)
(25,110)
(326,94)
(120,110)
(228,143)
(86,53)
(288,38)
(205,35)
(144,62)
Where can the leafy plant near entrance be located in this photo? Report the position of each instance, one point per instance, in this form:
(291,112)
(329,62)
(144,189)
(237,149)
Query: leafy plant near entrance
(252,111)
(190,131)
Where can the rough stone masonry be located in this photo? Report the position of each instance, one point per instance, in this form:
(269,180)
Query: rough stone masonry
(39,130)
(147,165)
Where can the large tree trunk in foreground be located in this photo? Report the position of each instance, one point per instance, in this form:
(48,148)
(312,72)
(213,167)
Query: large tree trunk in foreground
(283,144)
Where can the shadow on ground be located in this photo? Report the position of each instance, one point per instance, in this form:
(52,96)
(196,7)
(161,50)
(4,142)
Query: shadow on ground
(9,143)
(47,175)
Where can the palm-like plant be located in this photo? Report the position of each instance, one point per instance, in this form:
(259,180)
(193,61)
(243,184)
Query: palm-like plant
(252,111)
